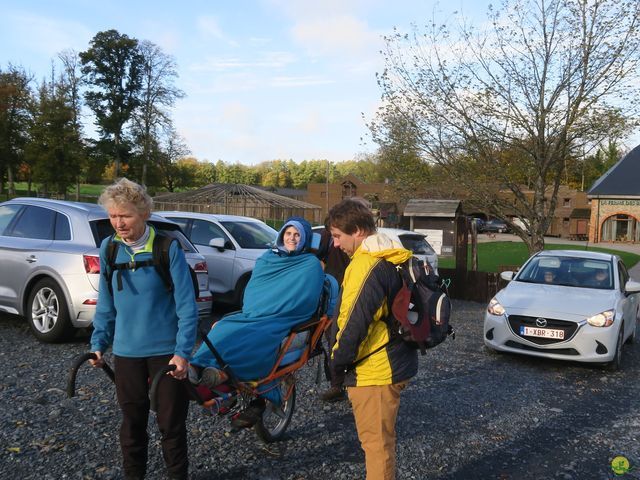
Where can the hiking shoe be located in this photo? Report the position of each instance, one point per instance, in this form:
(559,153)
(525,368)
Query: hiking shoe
(212,377)
(250,415)
(193,375)
(333,394)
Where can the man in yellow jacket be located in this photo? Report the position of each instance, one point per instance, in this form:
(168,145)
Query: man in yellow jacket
(374,363)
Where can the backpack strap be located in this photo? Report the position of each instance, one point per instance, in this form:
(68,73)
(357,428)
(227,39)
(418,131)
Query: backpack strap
(161,245)
(159,261)
(112,254)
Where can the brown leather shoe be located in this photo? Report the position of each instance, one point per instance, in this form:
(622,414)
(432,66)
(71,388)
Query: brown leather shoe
(333,394)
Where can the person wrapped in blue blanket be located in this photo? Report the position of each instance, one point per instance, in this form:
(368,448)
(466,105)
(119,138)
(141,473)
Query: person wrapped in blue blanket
(284,291)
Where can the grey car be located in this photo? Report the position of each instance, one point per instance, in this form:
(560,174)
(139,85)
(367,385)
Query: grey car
(231,245)
(49,263)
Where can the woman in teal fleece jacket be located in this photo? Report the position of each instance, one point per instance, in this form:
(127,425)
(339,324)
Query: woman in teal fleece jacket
(147,328)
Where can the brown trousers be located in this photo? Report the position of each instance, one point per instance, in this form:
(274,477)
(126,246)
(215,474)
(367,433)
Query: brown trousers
(375,409)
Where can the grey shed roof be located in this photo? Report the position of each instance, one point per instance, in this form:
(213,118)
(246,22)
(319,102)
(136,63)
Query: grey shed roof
(231,192)
(421,207)
(621,179)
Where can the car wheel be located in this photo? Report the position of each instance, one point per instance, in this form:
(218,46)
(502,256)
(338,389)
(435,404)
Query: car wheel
(47,312)
(239,290)
(632,338)
(616,363)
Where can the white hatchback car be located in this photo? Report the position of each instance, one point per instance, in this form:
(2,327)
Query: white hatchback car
(565,305)
(231,245)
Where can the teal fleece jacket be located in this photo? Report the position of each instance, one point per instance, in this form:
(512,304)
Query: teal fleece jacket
(144,319)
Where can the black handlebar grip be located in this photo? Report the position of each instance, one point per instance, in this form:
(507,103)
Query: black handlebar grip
(75,366)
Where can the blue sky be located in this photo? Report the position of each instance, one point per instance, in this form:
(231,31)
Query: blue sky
(264,79)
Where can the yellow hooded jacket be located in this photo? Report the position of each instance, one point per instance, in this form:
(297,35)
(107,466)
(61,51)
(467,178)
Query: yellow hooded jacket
(364,338)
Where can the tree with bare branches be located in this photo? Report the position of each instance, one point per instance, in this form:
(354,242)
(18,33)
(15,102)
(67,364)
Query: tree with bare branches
(516,98)
(157,94)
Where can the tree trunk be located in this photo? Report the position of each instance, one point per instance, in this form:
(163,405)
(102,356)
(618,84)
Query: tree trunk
(10,181)
(534,242)
(116,165)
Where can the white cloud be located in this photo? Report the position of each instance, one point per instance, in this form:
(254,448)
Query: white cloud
(336,35)
(208,26)
(44,35)
(303,81)
(263,60)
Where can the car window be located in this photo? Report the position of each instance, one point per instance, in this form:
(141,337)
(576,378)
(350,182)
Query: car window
(252,234)
(183,222)
(34,222)
(7,213)
(203,231)
(62,229)
(417,244)
(101,229)
(174,232)
(568,271)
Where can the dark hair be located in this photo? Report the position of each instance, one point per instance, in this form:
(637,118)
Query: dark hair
(351,215)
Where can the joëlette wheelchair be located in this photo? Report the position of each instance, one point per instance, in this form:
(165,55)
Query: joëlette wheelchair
(303,343)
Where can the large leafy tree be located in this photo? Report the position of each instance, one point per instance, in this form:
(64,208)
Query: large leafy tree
(16,99)
(515,100)
(113,68)
(55,147)
(71,80)
(399,158)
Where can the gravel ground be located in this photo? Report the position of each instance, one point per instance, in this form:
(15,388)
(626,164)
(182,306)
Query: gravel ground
(470,414)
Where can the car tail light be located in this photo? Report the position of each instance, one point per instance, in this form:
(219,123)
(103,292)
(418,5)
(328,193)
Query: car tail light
(204,299)
(90,301)
(201,267)
(91,263)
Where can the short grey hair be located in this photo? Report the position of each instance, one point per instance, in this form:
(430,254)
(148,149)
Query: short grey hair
(124,191)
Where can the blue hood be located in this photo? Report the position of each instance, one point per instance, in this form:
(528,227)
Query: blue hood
(303,227)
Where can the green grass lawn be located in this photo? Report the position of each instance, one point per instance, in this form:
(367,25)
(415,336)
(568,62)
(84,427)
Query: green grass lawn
(492,255)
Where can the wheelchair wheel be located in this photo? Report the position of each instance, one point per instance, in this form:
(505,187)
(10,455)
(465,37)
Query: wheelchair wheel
(275,420)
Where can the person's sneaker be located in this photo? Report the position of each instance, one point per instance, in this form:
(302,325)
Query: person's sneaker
(193,375)
(250,415)
(333,394)
(212,377)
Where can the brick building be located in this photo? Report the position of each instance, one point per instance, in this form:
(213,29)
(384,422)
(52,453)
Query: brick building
(615,202)
(380,195)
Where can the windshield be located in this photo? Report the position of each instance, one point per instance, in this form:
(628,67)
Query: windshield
(252,234)
(417,244)
(568,271)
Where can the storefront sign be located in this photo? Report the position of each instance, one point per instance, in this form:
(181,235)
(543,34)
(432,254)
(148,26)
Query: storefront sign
(624,203)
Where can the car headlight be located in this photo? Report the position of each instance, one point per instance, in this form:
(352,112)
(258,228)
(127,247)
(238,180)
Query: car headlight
(495,308)
(603,319)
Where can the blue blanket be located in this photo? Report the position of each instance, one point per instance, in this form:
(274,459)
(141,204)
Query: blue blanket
(283,292)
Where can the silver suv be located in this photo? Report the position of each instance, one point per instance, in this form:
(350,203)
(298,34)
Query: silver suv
(231,244)
(50,268)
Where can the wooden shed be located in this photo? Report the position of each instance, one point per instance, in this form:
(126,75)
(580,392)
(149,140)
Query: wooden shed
(435,218)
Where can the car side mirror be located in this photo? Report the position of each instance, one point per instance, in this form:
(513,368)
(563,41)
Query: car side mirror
(632,287)
(508,276)
(217,243)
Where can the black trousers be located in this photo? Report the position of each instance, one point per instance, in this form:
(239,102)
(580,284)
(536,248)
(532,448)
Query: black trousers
(132,388)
